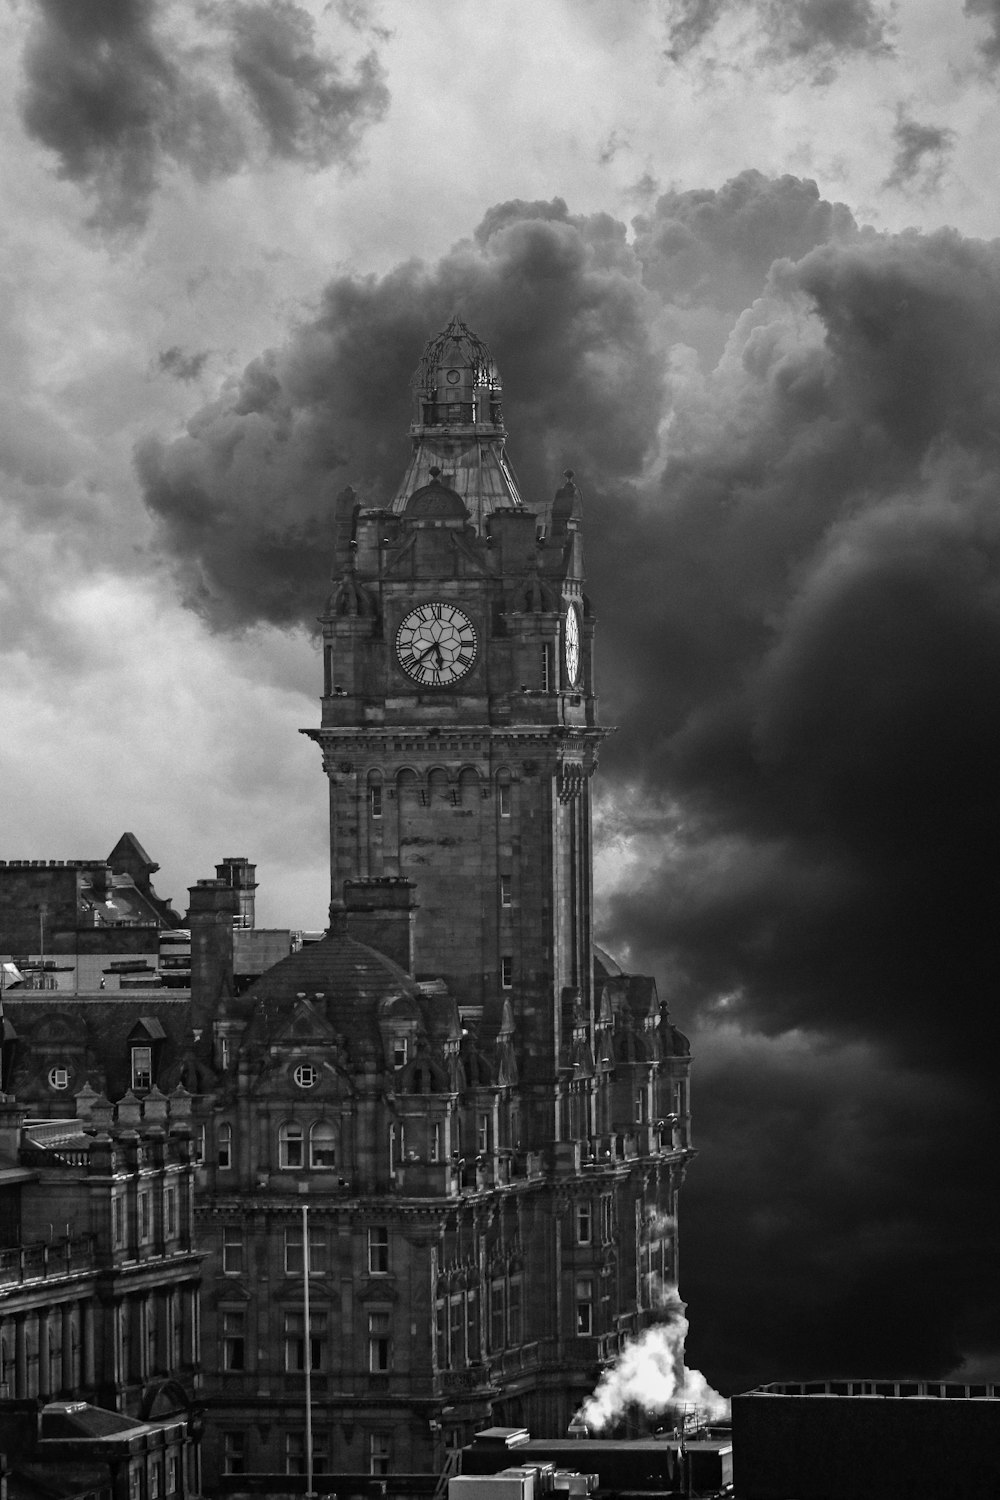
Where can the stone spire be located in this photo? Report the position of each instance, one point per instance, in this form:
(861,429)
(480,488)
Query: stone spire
(457,426)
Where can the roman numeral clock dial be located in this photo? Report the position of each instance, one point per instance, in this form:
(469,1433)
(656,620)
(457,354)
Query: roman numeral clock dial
(436,644)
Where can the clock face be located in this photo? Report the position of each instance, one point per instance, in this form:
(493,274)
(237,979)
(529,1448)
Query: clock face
(571,645)
(436,644)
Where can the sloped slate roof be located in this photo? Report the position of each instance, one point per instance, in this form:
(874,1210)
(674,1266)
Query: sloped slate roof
(352,981)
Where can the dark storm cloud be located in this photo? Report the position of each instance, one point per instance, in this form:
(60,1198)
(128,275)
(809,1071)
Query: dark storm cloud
(921,154)
(308,110)
(827,1226)
(990,46)
(820,32)
(121,89)
(245,496)
(794,548)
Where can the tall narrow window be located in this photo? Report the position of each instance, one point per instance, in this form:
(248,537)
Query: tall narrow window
(145,1216)
(290,1147)
(379,1453)
(514,1324)
(503,798)
(640,1106)
(375,799)
(232,1250)
(295,1453)
(482,1133)
(506,971)
(496,1316)
(170,1211)
(322,1146)
(142,1068)
(456,1318)
(437,1137)
(295,1341)
(379,1342)
(225,1144)
(504,889)
(118,1221)
(234,1452)
(584,1306)
(546,666)
(584,1223)
(472,1328)
(378,1250)
(317,1251)
(234,1339)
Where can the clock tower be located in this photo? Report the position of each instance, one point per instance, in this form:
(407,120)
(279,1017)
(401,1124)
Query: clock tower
(482,1117)
(459,729)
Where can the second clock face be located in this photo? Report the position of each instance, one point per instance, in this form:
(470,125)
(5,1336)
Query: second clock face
(571,645)
(436,644)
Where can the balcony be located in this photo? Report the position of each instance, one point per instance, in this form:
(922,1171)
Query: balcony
(48,1259)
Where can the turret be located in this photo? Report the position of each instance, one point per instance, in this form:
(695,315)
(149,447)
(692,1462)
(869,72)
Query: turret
(457,426)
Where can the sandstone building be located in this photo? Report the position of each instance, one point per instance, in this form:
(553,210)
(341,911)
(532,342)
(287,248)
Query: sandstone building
(485,1119)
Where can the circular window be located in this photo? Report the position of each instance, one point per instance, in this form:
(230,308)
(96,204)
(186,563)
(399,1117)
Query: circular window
(305,1075)
(59,1078)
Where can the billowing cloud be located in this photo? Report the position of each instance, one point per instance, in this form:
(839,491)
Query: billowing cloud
(990,45)
(788,433)
(921,153)
(120,90)
(820,32)
(245,496)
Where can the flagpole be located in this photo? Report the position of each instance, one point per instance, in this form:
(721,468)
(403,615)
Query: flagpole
(308,1351)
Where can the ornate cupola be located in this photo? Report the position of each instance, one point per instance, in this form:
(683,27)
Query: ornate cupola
(457,429)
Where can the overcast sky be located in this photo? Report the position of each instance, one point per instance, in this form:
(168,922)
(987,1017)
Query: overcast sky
(737,262)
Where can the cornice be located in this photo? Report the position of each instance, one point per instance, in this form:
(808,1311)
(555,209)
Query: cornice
(433,735)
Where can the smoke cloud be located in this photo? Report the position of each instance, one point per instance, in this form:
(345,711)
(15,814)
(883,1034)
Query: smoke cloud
(122,90)
(650,1373)
(787,430)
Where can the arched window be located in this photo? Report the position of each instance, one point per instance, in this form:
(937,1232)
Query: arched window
(375,794)
(290,1142)
(225,1147)
(322,1146)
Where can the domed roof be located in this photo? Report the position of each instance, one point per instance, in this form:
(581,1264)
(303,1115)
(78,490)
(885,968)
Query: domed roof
(347,982)
(435,501)
(457,347)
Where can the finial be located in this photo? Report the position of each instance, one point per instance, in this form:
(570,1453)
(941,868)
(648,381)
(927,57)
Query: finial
(567,473)
(435,471)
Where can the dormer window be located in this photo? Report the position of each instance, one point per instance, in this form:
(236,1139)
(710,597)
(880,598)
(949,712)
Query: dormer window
(305,1075)
(400,1051)
(142,1069)
(59,1078)
(145,1042)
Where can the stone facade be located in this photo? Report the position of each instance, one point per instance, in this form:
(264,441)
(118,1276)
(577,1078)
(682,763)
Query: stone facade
(486,1123)
(99,1300)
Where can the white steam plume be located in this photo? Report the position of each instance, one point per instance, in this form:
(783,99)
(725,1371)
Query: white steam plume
(650,1373)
